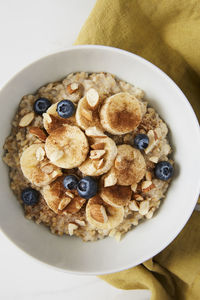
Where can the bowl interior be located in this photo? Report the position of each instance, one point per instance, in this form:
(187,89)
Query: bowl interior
(148,238)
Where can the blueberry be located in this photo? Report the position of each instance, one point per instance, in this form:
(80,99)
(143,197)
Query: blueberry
(163,170)
(141,141)
(65,109)
(87,187)
(41,105)
(30,196)
(70,182)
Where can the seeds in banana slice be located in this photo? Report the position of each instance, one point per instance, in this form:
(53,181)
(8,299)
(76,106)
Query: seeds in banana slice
(107,217)
(33,162)
(116,195)
(52,121)
(57,200)
(67,147)
(89,167)
(130,166)
(84,119)
(120,113)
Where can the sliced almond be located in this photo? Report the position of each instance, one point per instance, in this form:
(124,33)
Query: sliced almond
(138,197)
(134,206)
(152,141)
(70,194)
(148,176)
(96,154)
(98,146)
(98,163)
(155,135)
(47,117)
(64,202)
(110,179)
(56,155)
(75,205)
(80,223)
(92,97)
(55,173)
(40,154)
(147,186)
(72,88)
(149,215)
(154,159)
(71,228)
(134,187)
(38,132)
(47,169)
(118,164)
(87,114)
(95,132)
(144,207)
(98,213)
(26,120)
(158,132)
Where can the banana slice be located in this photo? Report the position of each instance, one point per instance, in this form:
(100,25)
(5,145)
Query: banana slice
(67,146)
(94,167)
(87,116)
(116,195)
(120,113)
(101,215)
(59,200)
(36,167)
(130,166)
(52,121)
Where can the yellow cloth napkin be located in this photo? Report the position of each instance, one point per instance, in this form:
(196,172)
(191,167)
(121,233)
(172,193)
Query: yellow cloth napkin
(167,33)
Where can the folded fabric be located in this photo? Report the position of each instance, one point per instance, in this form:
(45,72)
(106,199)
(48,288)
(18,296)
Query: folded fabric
(167,34)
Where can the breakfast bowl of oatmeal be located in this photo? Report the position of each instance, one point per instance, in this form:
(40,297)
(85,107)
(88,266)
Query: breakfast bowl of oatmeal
(96,175)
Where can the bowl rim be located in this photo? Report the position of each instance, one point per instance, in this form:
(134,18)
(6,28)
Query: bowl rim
(197,128)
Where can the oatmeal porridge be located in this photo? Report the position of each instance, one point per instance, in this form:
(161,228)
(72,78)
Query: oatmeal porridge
(88,156)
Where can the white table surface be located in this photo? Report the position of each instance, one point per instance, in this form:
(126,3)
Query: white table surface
(28,30)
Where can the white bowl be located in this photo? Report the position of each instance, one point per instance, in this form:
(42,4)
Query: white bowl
(150,237)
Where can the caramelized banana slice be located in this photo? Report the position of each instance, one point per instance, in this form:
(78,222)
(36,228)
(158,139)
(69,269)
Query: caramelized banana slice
(116,195)
(67,147)
(130,166)
(120,113)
